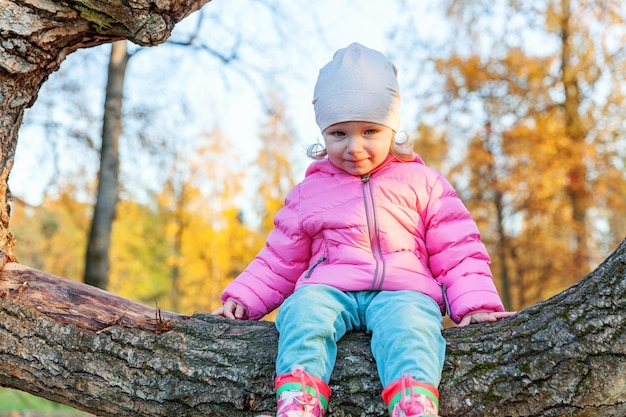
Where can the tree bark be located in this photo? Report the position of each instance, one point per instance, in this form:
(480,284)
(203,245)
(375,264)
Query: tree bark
(35,38)
(87,348)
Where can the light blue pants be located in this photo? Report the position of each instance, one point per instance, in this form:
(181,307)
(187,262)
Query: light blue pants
(405,326)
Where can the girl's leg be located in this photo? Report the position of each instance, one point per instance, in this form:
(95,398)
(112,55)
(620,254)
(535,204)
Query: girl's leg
(309,323)
(408,347)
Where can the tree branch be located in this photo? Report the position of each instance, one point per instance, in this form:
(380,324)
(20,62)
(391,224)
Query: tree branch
(87,348)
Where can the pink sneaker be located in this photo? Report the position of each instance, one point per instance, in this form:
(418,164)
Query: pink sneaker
(300,394)
(409,398)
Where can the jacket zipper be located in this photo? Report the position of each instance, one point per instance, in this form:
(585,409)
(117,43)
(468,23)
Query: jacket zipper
(372,227)
(444,293)
(309,271)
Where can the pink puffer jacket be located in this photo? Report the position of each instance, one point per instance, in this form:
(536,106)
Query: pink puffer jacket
(400,228)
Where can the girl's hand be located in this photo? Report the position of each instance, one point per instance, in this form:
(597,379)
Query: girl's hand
(232,310)
(484,317)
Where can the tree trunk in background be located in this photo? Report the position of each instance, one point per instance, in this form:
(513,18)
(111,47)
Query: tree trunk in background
(36,38)
(576,134)
(97,258)
(87,348)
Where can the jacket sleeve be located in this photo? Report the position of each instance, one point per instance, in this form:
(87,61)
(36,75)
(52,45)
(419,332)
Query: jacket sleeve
(457,257)
(271,277)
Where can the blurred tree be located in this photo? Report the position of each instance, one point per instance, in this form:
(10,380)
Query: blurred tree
(178,252)
(200,241)
(533,92)
(274,165)
(51,237)
(97,257)
(139,254)
(203,230)
(31,52)
(432,146)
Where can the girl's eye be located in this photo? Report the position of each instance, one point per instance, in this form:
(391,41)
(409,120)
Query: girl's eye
(370,131)
(339,134)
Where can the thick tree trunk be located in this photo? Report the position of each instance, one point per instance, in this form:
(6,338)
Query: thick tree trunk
(36,36)
(82,346)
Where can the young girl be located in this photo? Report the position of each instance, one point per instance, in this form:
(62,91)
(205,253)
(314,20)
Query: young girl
(370,240)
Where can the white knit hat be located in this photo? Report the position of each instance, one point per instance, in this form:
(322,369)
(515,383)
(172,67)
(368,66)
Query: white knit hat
(359,84)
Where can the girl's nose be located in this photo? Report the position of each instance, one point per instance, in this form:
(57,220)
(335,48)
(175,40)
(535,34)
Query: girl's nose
(354,145)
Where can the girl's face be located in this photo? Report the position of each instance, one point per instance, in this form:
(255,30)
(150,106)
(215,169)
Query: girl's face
(357,147)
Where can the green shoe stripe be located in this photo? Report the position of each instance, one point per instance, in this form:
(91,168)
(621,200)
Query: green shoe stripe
(296,386)
(416,390)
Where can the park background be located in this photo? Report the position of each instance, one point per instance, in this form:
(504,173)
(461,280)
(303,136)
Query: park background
(519,104)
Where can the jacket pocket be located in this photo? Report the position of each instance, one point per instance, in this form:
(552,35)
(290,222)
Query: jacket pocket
(309,271)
